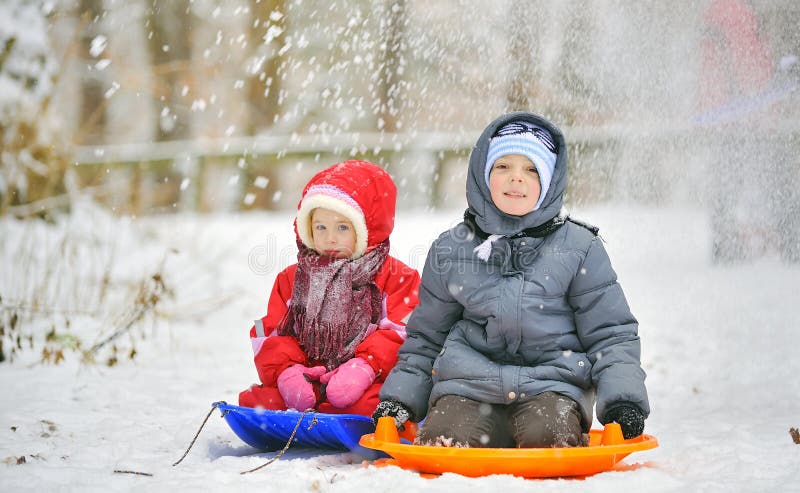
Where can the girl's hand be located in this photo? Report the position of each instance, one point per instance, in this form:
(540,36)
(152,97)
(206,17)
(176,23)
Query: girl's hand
(347,383)
(295,386)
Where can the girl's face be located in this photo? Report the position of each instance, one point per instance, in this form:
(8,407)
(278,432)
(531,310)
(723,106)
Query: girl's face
(332,233)
(514,184)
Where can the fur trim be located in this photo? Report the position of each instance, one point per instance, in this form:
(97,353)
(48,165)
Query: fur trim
(329,197)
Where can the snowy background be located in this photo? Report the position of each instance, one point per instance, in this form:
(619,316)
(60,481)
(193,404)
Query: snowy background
(719,345)
(120,325)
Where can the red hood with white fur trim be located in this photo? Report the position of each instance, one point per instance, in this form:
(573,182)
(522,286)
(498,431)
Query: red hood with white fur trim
(362,192)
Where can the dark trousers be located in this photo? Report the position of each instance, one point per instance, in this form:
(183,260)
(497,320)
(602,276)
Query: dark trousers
(547,420)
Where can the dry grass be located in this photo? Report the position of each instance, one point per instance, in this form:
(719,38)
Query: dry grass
(70,288)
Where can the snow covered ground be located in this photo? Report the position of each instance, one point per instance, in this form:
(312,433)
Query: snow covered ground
(720,345)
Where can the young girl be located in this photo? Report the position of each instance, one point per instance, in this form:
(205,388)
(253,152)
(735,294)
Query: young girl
(336,318)
(521,321)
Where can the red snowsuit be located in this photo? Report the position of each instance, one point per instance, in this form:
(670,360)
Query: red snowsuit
(275,353)
(369,201)
(736,73)
(735,59)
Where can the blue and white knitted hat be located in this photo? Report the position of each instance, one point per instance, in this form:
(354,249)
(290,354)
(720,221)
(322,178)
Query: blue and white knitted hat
(529,140)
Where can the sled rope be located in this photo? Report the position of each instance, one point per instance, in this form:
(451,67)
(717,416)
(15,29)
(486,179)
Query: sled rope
(213,406)
(122,471)
(288,442)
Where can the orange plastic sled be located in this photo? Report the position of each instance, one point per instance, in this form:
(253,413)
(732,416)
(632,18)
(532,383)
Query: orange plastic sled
(606,448)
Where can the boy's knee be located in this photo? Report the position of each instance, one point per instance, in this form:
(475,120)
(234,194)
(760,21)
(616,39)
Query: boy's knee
(457,421)
(548,420)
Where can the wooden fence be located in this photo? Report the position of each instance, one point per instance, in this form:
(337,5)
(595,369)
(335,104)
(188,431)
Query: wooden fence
(268,172)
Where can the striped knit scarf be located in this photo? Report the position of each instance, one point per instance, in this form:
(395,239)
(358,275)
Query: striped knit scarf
(334,301)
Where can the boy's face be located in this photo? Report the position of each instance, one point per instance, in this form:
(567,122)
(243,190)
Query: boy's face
(332,233)
(514,184)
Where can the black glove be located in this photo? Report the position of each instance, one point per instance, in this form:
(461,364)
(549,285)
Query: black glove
(398,411)
(629,417)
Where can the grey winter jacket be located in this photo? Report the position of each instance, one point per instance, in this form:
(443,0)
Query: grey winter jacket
(542,314)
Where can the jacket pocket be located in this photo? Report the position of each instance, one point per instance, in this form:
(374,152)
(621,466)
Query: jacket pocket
(571,367)
(580,371)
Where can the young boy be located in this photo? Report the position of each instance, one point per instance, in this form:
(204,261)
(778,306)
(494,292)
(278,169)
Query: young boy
(335,319)
(521,319)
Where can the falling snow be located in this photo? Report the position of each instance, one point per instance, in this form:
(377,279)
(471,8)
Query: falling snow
(719,340)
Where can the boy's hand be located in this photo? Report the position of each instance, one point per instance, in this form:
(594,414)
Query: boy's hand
(629,417)
(398,411)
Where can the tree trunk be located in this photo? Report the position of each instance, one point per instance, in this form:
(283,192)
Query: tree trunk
(266,35)
(522,49)
(92,103)
(168,28)
(392,65)
(168,31)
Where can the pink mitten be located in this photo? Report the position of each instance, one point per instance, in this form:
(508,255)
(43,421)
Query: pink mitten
(294,384)
(347,383)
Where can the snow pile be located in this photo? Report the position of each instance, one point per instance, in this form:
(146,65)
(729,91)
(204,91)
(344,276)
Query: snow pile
(69,285)
(719,345)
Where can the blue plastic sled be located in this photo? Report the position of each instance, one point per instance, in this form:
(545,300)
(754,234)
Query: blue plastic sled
(270,430)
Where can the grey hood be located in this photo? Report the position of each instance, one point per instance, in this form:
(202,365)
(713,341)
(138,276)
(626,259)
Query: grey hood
(488,217)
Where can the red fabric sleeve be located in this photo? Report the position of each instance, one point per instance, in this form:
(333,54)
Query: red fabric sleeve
(399,284)
(736,60)
(278,300)
(379,349)
(276,354)
(401,287)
